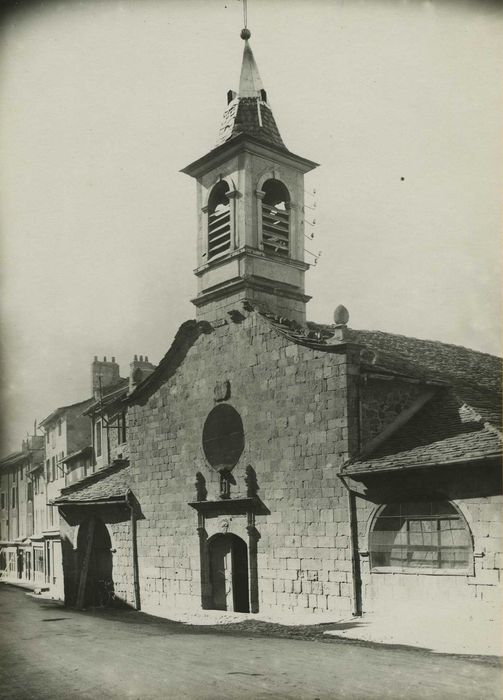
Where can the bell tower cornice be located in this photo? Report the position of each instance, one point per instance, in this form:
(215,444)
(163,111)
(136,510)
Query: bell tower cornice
(246,143)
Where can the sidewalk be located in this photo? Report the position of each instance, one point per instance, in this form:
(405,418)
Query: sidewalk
(27,585)
(446,635)
(436,633)
(433,632)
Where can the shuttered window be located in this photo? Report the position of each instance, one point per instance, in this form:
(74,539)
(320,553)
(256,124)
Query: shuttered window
(276,218)
(219,222)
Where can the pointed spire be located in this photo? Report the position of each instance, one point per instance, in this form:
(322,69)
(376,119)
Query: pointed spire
(248,112)
(250,83)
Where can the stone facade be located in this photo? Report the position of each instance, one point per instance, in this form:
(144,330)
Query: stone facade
(293,404)
(304,412)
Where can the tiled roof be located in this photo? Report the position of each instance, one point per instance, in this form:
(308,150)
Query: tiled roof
(475,376)
(62,409)
(442,432)
(111,394)
(79,453)
(249,113)
(109,484)
(12,458)
(452,362)
(461,421)
(466,447)
(254,117)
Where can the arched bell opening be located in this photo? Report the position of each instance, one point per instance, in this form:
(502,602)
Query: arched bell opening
(219,221)
(276,218)
(229,573)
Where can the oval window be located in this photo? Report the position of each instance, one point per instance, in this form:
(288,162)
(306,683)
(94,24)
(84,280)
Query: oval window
(223,437)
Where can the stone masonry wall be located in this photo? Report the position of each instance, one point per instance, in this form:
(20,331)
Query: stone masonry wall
(293,404)
(382,402)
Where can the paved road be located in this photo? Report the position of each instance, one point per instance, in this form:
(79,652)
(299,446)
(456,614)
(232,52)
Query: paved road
(48,652)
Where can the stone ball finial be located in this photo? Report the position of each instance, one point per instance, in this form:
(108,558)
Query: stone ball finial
(341,315)
(245,34)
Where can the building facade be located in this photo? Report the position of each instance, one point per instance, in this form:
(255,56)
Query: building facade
(276,464)
(67,431)
(19,495)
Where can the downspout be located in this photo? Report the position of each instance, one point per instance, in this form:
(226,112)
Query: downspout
(356,598)
(9,504)
(18,481)
(134,549)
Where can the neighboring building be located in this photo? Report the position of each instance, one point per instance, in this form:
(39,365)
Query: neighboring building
(91,468)
(78,465)
(17,509)
(107,411)
(282,465)
(67,431)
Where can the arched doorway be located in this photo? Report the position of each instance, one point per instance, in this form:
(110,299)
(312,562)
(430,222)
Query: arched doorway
(93,539)
(229,573)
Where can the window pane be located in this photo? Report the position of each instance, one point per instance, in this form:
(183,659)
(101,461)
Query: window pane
(423,558)
(455,558)
(452,533)
(421,538)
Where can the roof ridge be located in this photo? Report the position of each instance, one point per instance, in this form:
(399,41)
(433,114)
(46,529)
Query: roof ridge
(425,340)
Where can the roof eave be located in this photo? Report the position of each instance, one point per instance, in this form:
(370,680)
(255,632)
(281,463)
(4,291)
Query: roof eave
(13,459)
(113,500)
(237,144)
(52,416)
(347,471)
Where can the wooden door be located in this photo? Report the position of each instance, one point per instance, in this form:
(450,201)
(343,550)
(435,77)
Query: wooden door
(229,573)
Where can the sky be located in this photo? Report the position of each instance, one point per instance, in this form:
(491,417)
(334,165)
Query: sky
(102,103)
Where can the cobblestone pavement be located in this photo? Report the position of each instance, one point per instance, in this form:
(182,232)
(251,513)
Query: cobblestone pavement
(49,652)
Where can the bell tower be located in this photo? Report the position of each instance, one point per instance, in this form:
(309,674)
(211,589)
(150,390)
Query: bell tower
(250,200)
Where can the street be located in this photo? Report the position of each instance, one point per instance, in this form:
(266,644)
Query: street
(48,651)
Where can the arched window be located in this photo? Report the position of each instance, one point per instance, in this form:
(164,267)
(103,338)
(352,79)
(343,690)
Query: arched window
(276,218)
(427,534)
(219,221)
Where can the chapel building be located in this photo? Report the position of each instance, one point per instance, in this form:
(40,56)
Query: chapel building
(276,464)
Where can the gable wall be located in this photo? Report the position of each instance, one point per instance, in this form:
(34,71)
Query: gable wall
(293,404)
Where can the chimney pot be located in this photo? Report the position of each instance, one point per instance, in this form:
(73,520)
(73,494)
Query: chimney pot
(141,358)
(146,358)
(136,358)
(96,358)
(105,358)
(113,359)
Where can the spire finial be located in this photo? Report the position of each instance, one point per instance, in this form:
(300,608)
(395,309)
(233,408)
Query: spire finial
(245,32)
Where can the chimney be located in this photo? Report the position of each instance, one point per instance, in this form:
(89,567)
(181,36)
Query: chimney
(106,371)
(139,369)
